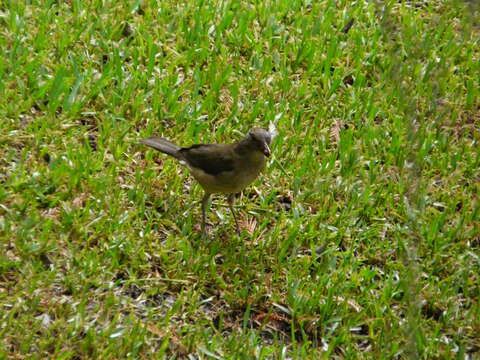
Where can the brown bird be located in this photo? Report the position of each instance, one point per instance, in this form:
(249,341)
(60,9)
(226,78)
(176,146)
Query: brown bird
(221,168)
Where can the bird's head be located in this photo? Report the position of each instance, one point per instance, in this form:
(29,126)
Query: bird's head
(260,139)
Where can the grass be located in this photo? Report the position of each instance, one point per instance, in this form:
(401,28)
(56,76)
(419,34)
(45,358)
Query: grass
(360,240)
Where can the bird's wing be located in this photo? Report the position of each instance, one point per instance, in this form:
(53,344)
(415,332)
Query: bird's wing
(211,158)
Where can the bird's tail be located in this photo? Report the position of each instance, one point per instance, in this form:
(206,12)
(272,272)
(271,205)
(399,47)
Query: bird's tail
(162,145)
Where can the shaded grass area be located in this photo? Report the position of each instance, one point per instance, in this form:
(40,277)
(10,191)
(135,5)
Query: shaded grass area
(360,240)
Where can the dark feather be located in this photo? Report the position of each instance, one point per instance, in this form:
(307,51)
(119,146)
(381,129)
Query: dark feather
(211,158)
(163,145)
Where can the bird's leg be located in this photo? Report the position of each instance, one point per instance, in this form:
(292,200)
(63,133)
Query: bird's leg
(205,199)
(231,197)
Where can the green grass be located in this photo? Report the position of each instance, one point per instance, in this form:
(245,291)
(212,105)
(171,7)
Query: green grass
(360,240)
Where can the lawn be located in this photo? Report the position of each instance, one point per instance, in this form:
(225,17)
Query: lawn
(360,240)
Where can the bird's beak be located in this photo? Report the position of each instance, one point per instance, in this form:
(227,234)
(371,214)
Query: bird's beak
(266,150)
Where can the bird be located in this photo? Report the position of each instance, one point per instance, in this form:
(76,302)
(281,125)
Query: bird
(221,168)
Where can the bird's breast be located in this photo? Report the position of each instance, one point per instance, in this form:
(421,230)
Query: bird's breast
(245,171)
